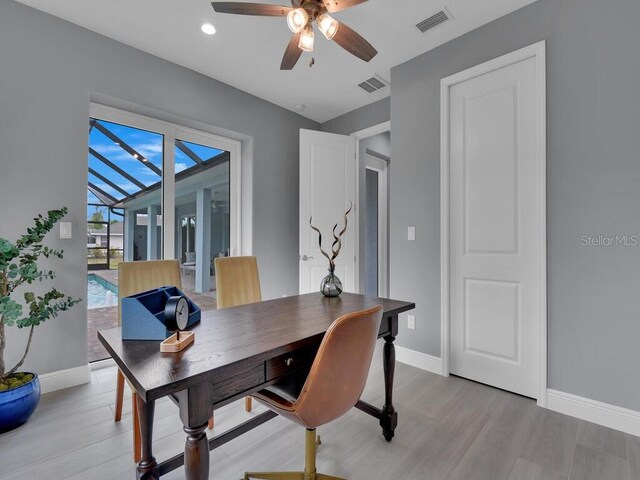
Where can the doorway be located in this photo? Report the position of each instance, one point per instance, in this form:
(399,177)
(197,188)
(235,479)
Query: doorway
(341,161)
(373,152)
(376,221)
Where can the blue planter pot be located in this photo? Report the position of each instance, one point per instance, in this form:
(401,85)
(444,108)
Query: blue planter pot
(17,405)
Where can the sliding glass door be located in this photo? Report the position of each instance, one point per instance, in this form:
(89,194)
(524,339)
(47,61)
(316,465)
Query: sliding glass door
(156,190)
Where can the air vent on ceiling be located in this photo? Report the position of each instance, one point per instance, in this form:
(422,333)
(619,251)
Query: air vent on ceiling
(374,83)
(443,16)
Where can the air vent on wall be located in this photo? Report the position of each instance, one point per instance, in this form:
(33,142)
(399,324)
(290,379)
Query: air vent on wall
(374,83)
(443,16)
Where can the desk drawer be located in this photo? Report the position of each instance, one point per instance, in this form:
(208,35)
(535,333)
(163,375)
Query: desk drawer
(238,384)
(291,362)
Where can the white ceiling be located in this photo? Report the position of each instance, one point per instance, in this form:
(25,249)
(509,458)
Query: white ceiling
(248,50)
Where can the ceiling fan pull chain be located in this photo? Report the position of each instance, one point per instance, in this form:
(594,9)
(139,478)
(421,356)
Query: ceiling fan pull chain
(312,62)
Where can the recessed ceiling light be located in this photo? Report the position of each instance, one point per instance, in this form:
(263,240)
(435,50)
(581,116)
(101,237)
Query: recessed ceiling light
(299,107)
(209,28)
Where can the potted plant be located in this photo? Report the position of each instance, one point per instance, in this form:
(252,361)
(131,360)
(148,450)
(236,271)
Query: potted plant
(20,391)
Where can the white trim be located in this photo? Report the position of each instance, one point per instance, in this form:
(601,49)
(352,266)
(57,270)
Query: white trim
(106,363)
(372,131)
(357,136)
(50,382)
(612,416)
(168,195)
(381,167)
(536,51)
(419,360)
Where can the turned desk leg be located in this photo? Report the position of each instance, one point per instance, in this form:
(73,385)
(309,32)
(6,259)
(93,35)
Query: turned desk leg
(148,467)
(196,407)
(196,453)
(389,416)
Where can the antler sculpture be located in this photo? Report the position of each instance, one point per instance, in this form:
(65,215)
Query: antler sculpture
(337,239)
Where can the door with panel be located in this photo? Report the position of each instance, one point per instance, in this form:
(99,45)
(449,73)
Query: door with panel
(327,189)
(495,223)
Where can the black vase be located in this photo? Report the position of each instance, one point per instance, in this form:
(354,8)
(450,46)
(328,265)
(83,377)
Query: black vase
(331,286)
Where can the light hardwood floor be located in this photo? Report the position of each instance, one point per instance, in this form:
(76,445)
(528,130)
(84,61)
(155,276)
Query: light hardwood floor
(449,429)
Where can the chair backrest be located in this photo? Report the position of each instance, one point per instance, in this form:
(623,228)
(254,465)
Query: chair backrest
(339,372)
(136,277)
(237,281)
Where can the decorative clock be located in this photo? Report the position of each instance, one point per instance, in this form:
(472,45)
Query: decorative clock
(176,319)
(176,313)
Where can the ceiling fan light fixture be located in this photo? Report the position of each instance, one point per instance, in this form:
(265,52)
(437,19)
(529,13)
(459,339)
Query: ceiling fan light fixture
(297,19)
(306,40)
(327,25)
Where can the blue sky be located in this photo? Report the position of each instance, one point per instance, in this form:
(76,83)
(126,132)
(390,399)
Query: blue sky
(148,144)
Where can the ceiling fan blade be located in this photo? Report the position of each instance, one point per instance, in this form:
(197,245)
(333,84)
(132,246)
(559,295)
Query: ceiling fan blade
(354,43)
(291,54)
(333,6)
(246,8)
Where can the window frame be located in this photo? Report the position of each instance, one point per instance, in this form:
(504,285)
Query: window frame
(172,132)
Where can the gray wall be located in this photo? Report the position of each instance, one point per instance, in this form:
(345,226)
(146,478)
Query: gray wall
(364,117)
(49,71)
(593,176)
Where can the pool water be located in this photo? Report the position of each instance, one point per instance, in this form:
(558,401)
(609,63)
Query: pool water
(100,292)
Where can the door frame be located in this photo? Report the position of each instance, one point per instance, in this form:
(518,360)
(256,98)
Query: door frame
(536,51)
(357,137)
(381,167)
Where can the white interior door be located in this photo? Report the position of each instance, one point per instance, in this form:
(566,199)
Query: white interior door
(327,187)
(495,223)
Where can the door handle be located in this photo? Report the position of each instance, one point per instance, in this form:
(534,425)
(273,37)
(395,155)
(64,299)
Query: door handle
(304,258)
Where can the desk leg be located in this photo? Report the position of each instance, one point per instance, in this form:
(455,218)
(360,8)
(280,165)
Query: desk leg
(196,407)
(389,416)
(148,467)
(196,453)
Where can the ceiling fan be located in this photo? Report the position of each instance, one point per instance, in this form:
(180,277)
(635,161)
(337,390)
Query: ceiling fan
(300,18)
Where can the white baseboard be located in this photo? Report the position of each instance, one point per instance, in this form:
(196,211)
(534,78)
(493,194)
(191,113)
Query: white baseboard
(419,360)
(106,363)
(618,418)
(50,382)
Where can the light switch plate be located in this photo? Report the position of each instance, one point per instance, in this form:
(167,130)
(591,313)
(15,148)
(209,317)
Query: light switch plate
(411,233)
(411,322)
(65,230)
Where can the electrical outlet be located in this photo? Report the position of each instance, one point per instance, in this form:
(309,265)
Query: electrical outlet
(411,322)
(411,234)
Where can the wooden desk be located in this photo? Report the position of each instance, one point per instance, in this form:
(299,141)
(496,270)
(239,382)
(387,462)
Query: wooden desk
(238,351)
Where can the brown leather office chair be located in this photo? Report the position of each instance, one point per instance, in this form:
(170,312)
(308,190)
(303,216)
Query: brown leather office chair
(237,283)
(334,385)
(136,277)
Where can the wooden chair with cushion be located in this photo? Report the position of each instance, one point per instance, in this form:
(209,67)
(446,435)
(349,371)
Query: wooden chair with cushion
(332,387)
(136,277)
(237,283)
